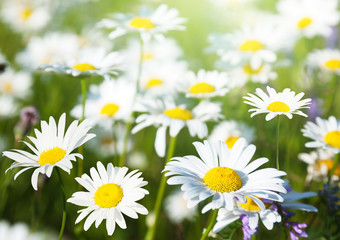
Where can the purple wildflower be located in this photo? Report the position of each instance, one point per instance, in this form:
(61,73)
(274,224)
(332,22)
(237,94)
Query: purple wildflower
(296,230)
(247,231)
(332,200)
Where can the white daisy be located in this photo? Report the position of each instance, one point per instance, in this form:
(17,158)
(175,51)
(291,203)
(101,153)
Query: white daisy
(51,48)
(110,101)
(111,192)
(149,25)
(249,44)
(15,84)
(320,163)
(285,102)
(324,133)
(309,17)
(326,59)
(52,148)
(8,106)
(230,131)
(164,113)
(241,75)
(176,208)
(25,16)
(224,174)
(205,84)
(88,61)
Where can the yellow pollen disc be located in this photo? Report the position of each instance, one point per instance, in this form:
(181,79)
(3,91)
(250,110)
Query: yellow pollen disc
(250,71)
(333,64)
(222,179)
(141,22)
(154,82)
(329,163)
(26,13)
(108,195)
(109,109)
(147,56)
(84,67)
(304,22)
(251,45)
(333,139)
(179,113)
(278,107)
(7,88)
(202,88)
(230,141)
(250,205)
(51,156)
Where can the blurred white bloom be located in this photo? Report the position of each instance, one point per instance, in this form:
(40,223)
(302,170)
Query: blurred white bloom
(176,208)
(137,160)
(109,102)
(51,48)
(154,24)
(239,76)
(88,61)
(320,163)
(325,133)
(15,84)
(165,113)
(25,16)
(8,106)
(230,131)
(204,84)
(326,59)
(309,17)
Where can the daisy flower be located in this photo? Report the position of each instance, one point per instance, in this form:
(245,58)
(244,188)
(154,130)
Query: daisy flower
(111,192)
(285,102)
(15,84)
(309,17)
(230,131)
(176,208)
(154,24)
(111,101)
(327,60)
(224,174)
(205,84)
(320,163)
(164,114)
(25,16)
(51,148)
(8,106)
(324,133)
(88,61)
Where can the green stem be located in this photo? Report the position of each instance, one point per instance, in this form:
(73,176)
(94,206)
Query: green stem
(64,206)
(211,224)
(83,101)
(332,99)
(335,163)
(130,121)
(277,142)
(150,235)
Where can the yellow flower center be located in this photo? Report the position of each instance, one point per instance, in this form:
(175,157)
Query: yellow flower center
(333,64)
(84,67)
(278,107)
(26,13)
(179,113)
(202,88)
(108,195)
(250,71)
(250,205)
(304,22)
(147,56)
(251,45)
(154,82)
(109,109)
(222,179)
(51,156)
(333,139)
(8,87)
(329,163)
(141,22)
(230,141)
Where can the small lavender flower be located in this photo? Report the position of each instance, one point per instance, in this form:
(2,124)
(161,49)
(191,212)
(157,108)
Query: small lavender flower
(314,109)
(247,231)
(29,117)
(296,230)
